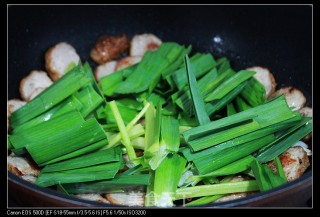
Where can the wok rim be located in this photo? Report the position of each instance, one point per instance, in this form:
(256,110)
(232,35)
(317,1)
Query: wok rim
(260,199)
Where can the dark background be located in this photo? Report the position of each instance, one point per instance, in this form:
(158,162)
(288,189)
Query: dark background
(277,37)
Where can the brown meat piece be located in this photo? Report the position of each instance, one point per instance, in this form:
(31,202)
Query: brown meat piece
(92,197)
(109,48)
(294,161)
(13,105)
(132,197)
(58,59)
(127,61)
(142,43)
(23,168)
(294,97)
(266,78)
(307,112)
(104,70)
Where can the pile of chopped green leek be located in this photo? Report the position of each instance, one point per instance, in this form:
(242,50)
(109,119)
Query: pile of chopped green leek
(198,122)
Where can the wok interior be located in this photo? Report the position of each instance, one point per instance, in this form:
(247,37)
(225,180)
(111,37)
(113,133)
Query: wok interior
(277,37)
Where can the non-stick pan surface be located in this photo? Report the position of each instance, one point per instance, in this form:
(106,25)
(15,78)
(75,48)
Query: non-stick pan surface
(277,37)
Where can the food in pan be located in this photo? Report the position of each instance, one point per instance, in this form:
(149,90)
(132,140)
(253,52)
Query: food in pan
(153,128)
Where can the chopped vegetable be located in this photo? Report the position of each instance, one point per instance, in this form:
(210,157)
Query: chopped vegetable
(159,127)
(92,173)
(196,97)
(216,189)
(118,182)
(266,179)
(104,156)
(52,96)
(123,131)
(166,180)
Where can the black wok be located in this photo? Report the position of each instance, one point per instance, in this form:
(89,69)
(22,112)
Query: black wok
(277,37)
